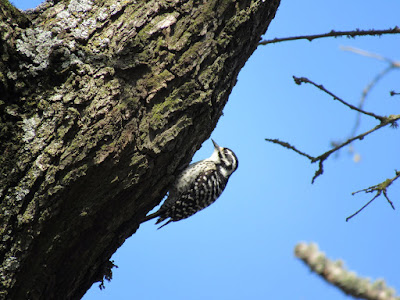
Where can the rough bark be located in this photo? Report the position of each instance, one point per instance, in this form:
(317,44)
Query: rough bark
(102,103)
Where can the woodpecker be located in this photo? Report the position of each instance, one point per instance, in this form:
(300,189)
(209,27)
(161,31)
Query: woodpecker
(198,186)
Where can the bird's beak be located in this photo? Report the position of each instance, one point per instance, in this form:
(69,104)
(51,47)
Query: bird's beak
(215,145)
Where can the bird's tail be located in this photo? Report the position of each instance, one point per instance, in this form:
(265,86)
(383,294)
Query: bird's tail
(151,216)
(164,224)
(155,215)
(159,214)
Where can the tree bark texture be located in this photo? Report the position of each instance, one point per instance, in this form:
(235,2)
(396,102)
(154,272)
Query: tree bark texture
(102,103)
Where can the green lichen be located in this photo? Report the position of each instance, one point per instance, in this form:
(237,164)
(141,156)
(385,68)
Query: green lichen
(54,147)
(138,160)
(62,131)
(74,174)
(144,34)
(188,59)
(28,215)
(138,166)
(3,80)
(115,179)
(157,81)
(180,37)
(146,55)
(43,105)
(160,44)
(171,133)
(185,91)
(161,110)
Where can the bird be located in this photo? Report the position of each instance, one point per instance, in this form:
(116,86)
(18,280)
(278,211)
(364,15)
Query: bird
(197,186)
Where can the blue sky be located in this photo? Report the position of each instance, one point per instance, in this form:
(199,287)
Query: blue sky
(241,247)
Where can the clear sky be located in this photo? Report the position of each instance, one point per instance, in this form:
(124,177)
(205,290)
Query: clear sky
(241,247)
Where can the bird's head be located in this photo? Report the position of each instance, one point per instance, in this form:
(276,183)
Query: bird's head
(225,159)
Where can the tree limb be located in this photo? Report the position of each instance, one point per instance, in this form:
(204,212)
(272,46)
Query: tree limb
(333,33)
(334,273)
(384,121)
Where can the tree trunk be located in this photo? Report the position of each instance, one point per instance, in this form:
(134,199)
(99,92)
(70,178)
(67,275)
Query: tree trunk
(102,103)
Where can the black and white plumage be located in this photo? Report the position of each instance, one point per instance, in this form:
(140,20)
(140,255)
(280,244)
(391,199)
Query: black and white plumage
(198,186)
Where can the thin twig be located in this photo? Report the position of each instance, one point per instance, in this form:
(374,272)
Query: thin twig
(289,146)
(325,155)
(384,121)
(365,93)
(380,188)
(369,202)
(358,137)
(387,199)
(333,33)
(321,158)
(300,80)
(370,54)
(391,66)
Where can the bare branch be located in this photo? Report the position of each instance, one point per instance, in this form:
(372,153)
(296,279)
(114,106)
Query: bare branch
(321,158)
(358,137)
(300,80)
(384,121)
(362,208)
(387,199)
(289,146)
(380,188)
(365,93)
(336,274)
(333,33)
